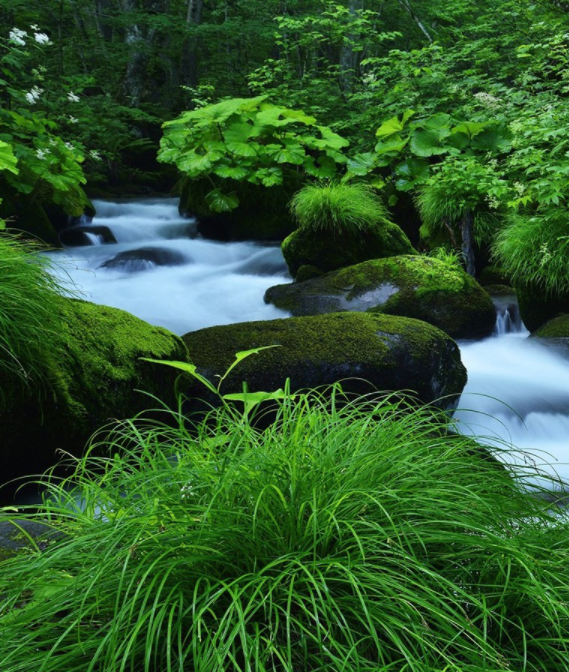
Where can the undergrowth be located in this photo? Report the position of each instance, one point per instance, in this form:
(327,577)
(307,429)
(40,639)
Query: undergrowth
(342,537)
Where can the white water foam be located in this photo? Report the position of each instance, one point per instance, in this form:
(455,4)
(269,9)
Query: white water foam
(216,283)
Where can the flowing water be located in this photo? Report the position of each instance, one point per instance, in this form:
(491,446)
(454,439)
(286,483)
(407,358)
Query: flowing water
(160,270)
(518,393)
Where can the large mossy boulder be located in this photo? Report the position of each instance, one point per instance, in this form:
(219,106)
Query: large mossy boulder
(412,286)
(556,330)
(262,213)
(390,353)
(328,252)
(537,307)
(96,379)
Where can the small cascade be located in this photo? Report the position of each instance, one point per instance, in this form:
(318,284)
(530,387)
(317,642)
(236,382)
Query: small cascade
(93,238)
(145,258)
(508,318)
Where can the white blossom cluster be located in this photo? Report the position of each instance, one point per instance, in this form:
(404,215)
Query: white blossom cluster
(73,97)
(34,95)
(17,36)
(488,100)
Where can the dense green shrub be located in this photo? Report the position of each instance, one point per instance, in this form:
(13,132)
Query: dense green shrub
(355,538)
(339,208)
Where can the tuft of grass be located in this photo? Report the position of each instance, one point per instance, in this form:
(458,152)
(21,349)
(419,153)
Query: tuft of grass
(343,537)
(534,250)
(338,208)
(29,313)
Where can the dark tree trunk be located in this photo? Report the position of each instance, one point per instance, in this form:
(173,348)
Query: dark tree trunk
(468,243)
(189,69)
(348,57)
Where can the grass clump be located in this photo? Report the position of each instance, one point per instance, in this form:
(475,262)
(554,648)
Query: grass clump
(29,313)
(338,208)
(361,538)
(534,250)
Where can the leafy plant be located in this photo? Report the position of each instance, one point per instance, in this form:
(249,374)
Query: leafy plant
(338,208)
(343,537)
(249,140)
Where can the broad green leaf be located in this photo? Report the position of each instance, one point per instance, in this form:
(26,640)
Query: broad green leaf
(470,128)
(186,367)
(491,140)
(217,201)
(324,168)
(437,122)
(394,145)
(270,177)
(285,155)
(238,133)
(7,159)
(243,354)
(241,148)
(410,173)
(394,125)
(427,143)
(332,139)
(231,172)
(194,164)
(361,164)
(458,140)
(252,399)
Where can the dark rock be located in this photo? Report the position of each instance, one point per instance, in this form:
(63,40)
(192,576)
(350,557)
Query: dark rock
(493,275)
(556,329)
(329,253)
(537,307)
(390,353)
(412,286)
(79,236)
(144,258)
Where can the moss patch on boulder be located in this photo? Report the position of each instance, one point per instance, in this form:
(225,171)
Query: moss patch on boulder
(412,286)
(327,253)
(556,328)
(93,382)
(391,353)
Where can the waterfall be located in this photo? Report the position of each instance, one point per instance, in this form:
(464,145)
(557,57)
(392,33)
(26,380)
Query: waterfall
(161,271)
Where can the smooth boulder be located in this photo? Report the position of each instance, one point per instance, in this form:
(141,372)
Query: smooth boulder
(390,353)
(81,236)
(144,258)
(329,252)
(95,380)
(411,285)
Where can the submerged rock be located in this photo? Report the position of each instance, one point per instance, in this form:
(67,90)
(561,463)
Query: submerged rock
(94,381)
(144,258)
(329,253)
(390,353)
(79,236)
(411,286)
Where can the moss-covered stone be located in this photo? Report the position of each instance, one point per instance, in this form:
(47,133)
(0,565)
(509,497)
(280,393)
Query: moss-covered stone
(329,253)
(30,219)
(556,328)
(262,213)
(537,308)
(94,381)
(500,290)
(412,286)
(392,353)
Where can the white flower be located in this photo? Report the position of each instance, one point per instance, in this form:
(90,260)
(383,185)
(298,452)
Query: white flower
(34,27)
(52,142)
(17,36)
(94,154)
(73,120)
(70,147)
(42,38)
(42,153)
(73,97)
(34,95)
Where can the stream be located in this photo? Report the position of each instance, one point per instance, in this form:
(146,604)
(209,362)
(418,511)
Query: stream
(159,269)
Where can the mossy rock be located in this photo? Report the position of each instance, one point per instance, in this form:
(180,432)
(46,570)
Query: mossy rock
(391,353)
(537,308)
(262,213)
(94,381)
(326,252)
(500,290)
(29,219)
(557,328)
(412,286)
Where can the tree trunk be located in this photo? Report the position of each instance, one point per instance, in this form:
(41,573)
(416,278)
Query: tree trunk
(468,243)
(406,4)
(189,70)
(348,57)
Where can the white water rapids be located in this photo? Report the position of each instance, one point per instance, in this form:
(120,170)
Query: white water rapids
(171,278)
(159,270)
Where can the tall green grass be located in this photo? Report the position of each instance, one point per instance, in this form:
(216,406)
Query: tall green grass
(338,208)
(29,313)
(354,538)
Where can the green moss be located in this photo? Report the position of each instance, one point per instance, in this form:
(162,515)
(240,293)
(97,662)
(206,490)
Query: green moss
(329,253)
(390,352)
(494,275)
(556,328)
(414,286)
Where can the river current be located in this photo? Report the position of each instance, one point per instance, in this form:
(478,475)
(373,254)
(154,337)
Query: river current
(160,270)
